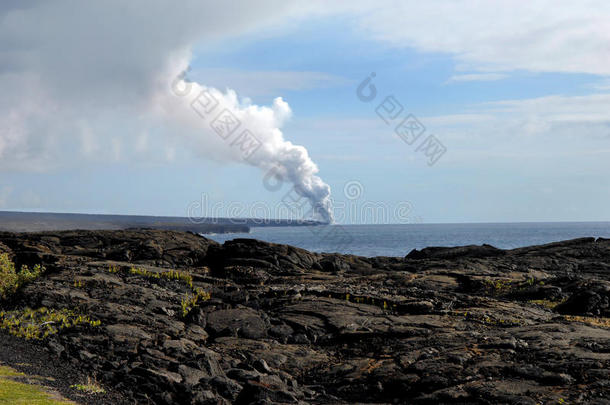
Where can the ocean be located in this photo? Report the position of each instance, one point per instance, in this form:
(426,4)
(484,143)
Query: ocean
(399,240)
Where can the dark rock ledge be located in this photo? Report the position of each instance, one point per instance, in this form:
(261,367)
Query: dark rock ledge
(469,325)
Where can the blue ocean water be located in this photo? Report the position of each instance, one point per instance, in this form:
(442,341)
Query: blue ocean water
(398,240)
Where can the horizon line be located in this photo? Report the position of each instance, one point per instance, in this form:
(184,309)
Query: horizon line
(311,220)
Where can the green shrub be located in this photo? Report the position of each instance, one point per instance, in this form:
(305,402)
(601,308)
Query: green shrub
(11,280)
(8,276)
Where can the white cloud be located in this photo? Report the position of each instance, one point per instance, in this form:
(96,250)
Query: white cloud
(344,158)
(533,35)
(589,109)
(89,142)
(77,77)
(551,130)
(141,144)
(74,89)
(30,199)
(265,83)
(5,193)
(170,153)
(477,77)
(602,85)
(459,119)
(116,147)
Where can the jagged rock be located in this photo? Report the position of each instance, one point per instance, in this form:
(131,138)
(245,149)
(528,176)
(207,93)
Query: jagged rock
(151,246)
(236,322)
(587,302)
(471,324)
(455,252)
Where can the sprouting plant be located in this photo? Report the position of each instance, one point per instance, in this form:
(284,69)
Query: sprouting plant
(26,275)
(167,275)
(11,280)
(590,320)
(187,305)
(42,322)
(178,275)
(91,387)
(191,301)
(497,286)
(547,303)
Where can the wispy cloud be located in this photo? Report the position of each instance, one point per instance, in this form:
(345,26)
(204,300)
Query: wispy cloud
(459,119)
(602,85)
(537,36)
(593,108)
(5,193)
(477,77)
(343,158)
(270,82)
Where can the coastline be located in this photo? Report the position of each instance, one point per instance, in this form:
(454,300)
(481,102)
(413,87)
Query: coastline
(177,318)
(13,221)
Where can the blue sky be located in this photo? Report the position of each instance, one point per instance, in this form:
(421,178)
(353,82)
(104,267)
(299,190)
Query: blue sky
(527,138)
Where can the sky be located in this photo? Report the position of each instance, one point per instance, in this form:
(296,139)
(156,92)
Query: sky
(511,99)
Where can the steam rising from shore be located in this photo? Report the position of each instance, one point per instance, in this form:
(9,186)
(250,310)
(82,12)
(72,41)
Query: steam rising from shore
(191,109)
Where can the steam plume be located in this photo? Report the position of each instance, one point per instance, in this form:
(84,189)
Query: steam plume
(189,105)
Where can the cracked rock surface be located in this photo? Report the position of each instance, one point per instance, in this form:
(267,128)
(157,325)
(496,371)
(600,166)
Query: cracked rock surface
(473,324)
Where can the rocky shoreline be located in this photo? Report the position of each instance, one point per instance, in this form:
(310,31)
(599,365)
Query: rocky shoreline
(11,221)
(168,317)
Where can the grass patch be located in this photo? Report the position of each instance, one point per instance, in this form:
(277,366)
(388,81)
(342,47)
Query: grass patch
(503,287)
(547,303)
(497,286)
(190,301)
(19,393)
(92,387)
(9,372)
(15,393)
(164,275)
(42,322)
(11,279)
(589,320)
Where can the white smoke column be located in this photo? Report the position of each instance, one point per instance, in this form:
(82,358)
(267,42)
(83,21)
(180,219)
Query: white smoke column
(174,101)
